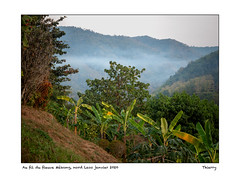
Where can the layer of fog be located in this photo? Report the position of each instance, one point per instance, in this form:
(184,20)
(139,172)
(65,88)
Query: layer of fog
(158,69)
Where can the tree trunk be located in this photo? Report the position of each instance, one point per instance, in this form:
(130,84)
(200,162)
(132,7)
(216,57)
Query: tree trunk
(118,129)
(75,119)
(125,150)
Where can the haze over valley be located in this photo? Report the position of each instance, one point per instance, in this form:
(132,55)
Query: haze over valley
(91,52)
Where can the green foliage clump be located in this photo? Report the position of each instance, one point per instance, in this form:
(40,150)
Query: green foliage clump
(119,89)
(117,148)
(195,110)
(154,152)
(59,111)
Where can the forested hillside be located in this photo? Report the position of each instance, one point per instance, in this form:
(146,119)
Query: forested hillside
(200,77)
(91,52)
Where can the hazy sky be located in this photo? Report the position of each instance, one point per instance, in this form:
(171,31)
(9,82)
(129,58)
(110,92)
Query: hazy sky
(193,30)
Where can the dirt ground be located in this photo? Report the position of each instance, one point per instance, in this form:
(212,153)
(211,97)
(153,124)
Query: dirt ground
(64,137)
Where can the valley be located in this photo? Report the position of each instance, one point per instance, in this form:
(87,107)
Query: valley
(91,52)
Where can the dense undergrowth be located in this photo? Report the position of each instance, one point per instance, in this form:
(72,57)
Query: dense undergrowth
(132,137)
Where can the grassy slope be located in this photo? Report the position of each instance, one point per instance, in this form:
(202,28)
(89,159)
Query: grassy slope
(45,140)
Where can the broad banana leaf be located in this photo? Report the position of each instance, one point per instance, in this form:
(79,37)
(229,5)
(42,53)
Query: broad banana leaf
(141,123)
(175,120)
(90,115)
(202,134)
(66,98)
(148,120)
(129,110)
(105,104)
(138,126)
(190,139)
(87,106)
(97,115)
(99,108)
(120,120)
(164,126)
(208,133)
(80,100)
(178,128)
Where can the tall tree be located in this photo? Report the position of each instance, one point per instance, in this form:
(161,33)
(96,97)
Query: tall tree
(36,56)
(120,88)
(40,48)
(59,72)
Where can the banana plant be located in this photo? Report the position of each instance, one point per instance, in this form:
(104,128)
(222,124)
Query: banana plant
(202,144)
(101,117)
(123,118)
(165,130)
(76,106)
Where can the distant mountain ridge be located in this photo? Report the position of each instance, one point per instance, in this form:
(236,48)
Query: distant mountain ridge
(86,42)
(91,52)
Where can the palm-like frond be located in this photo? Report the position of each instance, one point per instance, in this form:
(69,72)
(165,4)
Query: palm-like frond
(164,126)
(66,98)
(190,139)
(138,126)
(175,120)
(148,120)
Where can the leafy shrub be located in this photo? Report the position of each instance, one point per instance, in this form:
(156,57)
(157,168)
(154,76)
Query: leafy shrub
(176,151)
(59,111)
(195,110)
(104,143)
(117,148)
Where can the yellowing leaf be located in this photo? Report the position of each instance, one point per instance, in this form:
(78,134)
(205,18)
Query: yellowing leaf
(191,139)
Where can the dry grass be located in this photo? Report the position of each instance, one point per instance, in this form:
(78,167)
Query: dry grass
(64,137)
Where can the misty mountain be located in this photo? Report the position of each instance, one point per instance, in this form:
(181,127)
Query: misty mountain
(91,52)
(200,77)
